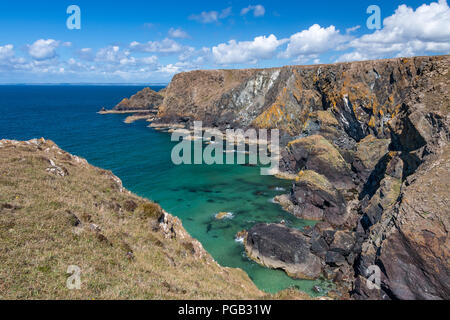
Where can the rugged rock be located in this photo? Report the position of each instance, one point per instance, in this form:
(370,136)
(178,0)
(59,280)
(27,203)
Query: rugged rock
(315,198)
(372,138)
(278,247)
(411,241)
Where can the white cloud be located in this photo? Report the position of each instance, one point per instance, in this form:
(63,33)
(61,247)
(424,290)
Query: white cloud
(225,13)
(313,41)
(165,46)
(211,16)
(178,33)
(246,51)
(258,10)
(407,32)
(43,49)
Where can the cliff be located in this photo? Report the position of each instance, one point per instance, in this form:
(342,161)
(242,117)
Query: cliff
(368,143)
(57,210)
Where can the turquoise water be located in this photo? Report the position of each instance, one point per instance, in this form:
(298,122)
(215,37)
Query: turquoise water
(140,156)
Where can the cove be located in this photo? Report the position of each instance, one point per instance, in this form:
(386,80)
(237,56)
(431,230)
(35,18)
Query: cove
(141,157)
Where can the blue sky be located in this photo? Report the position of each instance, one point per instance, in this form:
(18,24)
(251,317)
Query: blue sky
(150,41)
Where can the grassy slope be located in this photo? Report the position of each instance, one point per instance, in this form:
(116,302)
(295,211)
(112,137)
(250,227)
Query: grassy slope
(49,221)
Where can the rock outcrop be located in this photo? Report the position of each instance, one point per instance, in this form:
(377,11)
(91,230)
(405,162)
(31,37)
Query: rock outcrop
(76,214)
(146,99)
(316,198)
(368,143)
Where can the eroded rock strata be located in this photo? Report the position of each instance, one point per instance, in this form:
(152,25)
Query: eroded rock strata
(368,145)
(58,210)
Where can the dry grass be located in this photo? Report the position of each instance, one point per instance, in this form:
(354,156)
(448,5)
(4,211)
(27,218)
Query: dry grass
(49,221)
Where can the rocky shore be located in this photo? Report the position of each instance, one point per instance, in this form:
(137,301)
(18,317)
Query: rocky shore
(367,146)
(57,210)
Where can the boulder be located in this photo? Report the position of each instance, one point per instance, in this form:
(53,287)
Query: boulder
(278,247)
(317,154)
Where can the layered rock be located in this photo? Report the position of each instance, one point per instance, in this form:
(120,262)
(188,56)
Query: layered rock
(318,154)
(411,240)
(315,198)
(278,247)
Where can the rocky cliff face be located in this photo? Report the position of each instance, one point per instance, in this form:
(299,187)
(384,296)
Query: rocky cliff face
(368,143)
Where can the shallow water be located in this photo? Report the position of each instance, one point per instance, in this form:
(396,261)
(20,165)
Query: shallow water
(140,156)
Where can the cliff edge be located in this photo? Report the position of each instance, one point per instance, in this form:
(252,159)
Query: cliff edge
(57,211)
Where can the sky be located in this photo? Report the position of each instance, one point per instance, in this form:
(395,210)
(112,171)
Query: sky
(150,41)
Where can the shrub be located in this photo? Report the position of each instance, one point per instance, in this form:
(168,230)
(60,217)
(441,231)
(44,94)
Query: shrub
(149,210)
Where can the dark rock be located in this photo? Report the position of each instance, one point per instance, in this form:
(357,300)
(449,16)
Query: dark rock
(146,99)
(328,235)
(368,154)
(343,242)
(279,247)
(315,153)
(317,289)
